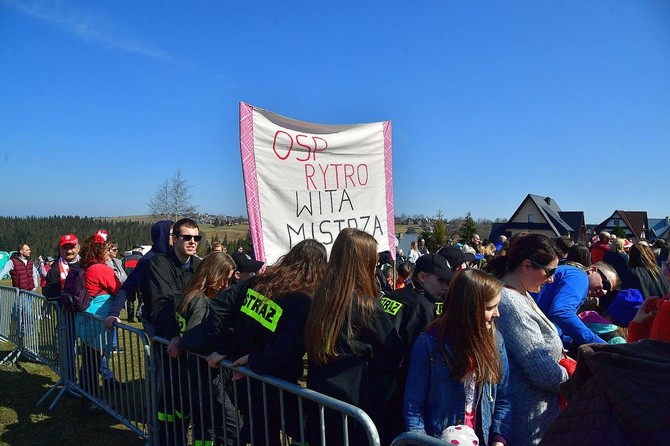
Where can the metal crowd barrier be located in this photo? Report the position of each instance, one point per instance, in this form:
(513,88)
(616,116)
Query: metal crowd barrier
(256,409)
(110,368)
(107,367)
(170,401)
(29,321)
(8,323)
(415,439)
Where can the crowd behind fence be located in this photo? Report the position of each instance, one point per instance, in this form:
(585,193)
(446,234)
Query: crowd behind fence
(165,400)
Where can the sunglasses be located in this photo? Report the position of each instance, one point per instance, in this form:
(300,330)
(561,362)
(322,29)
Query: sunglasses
(607,285)
(548,271)
(114,249)
(188,238)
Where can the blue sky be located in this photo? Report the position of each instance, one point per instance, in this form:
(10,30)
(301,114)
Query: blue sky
(101,101)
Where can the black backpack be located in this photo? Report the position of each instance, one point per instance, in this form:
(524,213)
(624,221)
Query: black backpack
(75,297)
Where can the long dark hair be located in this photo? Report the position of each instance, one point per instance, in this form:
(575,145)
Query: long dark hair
(579,253)
(536,247)
(348,288)
(300,270)
(462,325)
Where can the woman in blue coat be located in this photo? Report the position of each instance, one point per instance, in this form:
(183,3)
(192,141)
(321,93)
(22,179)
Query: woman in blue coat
(458,370)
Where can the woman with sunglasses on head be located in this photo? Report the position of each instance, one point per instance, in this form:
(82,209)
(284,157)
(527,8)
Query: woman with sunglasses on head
(534,347)
(647,276)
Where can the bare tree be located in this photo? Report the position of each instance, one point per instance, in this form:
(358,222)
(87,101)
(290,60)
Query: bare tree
(172,199)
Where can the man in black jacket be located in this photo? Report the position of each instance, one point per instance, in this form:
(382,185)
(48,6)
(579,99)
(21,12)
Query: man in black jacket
(166,279)
(411,309)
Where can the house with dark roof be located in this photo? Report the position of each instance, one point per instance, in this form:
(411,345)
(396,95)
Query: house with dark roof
(634,223)
(659,228)
(542,215)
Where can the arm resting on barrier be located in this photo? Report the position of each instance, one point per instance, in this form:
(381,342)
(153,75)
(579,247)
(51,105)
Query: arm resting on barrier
(214,359)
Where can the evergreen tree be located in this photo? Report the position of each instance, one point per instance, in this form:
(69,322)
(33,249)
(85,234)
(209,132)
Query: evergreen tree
(439,236)
(619,232)
(467,229)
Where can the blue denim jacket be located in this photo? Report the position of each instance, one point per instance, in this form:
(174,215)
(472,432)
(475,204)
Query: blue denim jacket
(434,400)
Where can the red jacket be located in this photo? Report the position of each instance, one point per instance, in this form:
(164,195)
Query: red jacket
(598,251)
(22,274)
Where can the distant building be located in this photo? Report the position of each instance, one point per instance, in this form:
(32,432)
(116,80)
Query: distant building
(659,228)
(541,215)
(634,223)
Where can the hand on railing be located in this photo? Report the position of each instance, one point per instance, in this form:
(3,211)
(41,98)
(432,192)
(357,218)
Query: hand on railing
(110,320)
(214,359)
(173,347)
(244,360)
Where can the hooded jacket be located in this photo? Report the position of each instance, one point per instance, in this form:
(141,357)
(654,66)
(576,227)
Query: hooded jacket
(160,236)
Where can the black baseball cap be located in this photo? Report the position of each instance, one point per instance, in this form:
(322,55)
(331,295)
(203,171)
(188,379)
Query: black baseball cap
(434,264)
(455,257)
(244,263)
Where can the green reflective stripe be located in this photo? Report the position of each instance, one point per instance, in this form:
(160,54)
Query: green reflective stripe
(182,323)
(262,310)
(180,415)
(390,306)
(168,418)
(203,442)
(438,308)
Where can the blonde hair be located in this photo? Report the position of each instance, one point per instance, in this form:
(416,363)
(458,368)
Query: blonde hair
(617,245)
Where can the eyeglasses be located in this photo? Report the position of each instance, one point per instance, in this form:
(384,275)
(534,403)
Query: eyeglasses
(607,285)
(548,271)
(188,237)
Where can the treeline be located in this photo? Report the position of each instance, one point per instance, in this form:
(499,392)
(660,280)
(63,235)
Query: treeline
(42,233)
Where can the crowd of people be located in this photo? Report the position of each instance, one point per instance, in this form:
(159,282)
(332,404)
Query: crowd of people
(501,343)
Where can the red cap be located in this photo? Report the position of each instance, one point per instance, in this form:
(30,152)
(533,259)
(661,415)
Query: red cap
(100,237)
(69,239)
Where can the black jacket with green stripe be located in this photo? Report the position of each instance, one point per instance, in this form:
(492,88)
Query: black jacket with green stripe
(411,309)
(242,321)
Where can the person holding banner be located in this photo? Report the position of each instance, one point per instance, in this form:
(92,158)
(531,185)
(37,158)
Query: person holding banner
(352,345)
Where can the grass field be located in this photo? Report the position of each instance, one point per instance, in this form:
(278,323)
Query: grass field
(22,422)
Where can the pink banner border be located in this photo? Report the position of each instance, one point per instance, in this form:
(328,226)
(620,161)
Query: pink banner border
(388,164)
(251,179)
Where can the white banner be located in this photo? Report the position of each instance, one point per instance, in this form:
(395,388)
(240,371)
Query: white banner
(305,180)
